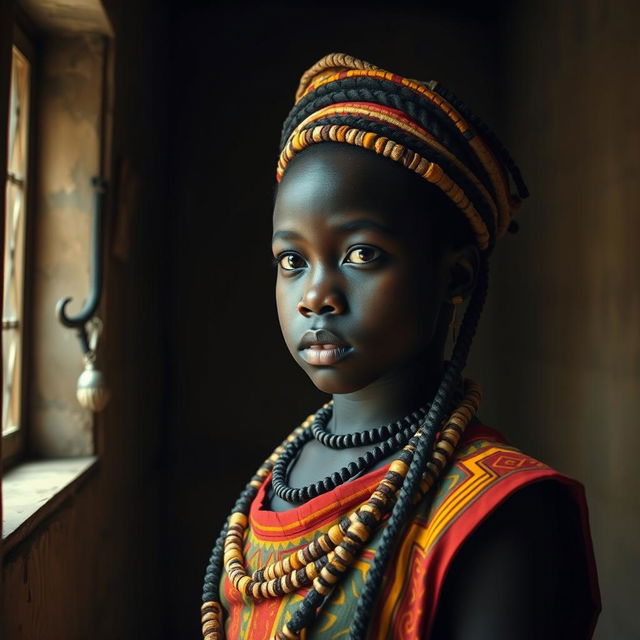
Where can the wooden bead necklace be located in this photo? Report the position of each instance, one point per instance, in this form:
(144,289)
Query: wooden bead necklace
(325,559)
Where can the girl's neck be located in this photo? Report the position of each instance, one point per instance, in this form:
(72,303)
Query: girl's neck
(387,399)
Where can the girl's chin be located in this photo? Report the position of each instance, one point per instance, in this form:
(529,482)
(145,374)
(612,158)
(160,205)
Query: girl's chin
(334,381)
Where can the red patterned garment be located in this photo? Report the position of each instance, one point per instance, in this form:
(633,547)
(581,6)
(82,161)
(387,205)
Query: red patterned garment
(486,470)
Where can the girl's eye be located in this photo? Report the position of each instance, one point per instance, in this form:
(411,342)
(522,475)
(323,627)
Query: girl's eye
(290,261)
(363,255)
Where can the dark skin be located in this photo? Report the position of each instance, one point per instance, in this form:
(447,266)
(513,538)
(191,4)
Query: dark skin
(360,253)
(355,258)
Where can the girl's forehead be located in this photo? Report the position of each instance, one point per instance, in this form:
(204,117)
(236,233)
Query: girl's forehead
(335,180)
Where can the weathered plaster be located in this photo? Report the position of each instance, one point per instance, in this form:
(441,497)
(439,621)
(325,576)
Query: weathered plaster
(62,16)
(69,155)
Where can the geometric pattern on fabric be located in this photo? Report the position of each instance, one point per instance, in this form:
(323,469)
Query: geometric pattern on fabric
(484,472)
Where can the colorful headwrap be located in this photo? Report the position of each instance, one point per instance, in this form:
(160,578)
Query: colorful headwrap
(419,124)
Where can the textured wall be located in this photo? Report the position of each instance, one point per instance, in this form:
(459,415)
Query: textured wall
(562,348)
(93,569)
(68,150)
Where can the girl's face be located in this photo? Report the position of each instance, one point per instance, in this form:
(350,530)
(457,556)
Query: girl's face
(360,279)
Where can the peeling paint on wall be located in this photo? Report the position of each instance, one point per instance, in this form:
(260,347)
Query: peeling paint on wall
(69,155)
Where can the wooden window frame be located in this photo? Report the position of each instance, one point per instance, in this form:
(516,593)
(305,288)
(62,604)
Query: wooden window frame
(15,443)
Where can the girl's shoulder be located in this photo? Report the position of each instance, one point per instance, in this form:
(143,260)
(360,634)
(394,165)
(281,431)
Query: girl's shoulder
(486,470)
(519,535)
(486,463)
(494,491)
(489,474)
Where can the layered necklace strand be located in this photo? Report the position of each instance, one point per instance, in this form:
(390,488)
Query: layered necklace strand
(323,562)
(360,438)
(388,439)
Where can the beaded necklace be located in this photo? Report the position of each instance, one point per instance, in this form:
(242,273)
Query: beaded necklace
(388,439)
(360,438)
(325,559)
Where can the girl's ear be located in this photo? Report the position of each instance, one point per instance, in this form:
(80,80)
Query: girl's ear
(463,270)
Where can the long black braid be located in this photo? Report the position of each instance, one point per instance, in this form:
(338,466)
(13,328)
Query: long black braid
(213,573)
(439,410)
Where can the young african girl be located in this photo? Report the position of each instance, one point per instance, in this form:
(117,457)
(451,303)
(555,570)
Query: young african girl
(393,512)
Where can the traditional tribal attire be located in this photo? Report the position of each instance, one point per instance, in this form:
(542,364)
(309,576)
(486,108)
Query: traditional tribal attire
(485,472)
(301,573)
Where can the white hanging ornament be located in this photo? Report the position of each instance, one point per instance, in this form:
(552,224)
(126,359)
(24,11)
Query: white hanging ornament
(92,391)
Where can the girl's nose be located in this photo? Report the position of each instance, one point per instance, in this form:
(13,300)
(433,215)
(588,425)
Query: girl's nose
(322,297)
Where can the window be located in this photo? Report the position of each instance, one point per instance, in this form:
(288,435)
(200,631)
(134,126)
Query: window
(55,79)
(16,196)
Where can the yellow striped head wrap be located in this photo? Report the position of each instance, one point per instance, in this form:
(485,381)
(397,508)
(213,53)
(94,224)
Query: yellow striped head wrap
(419,124)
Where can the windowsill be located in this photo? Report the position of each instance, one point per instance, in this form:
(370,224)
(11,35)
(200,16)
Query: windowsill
(32,491)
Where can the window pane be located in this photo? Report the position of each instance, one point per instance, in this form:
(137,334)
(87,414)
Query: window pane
(15,194)
(18,115)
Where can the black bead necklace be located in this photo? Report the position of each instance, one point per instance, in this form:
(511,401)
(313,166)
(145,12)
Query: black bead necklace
(398,438)
(360,438)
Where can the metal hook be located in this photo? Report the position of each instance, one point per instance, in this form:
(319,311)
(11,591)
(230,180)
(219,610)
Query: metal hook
(78,322)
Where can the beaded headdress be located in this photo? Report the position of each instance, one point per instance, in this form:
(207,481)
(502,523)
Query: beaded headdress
(418,124)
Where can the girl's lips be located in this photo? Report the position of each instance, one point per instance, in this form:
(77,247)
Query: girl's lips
(325,354)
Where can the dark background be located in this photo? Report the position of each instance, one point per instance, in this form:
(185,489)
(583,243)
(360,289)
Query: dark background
(235,390)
